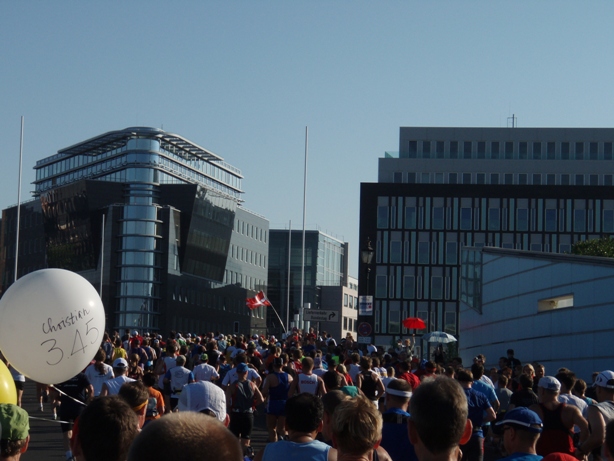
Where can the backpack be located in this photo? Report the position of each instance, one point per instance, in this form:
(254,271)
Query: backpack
(368,386)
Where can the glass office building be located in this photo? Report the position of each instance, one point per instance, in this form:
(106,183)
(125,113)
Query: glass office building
(157,215)
(538,189)
(325,265)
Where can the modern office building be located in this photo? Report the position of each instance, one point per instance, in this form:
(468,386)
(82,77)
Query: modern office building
(325,264)
(152,220)
(538,189)
(551,308)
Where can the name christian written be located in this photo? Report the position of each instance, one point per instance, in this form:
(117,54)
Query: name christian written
(51,326)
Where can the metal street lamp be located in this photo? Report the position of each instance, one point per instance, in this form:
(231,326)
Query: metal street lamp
(366,255)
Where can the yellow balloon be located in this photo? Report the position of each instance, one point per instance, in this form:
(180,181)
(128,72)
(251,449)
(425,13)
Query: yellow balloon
(8,392)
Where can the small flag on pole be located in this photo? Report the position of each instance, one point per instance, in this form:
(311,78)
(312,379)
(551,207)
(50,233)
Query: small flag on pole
(259,300)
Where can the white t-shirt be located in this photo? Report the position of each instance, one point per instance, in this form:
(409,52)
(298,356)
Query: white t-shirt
(307,383)
(353,371)
(169,362)
(96,379)
(231,376)
(205,372)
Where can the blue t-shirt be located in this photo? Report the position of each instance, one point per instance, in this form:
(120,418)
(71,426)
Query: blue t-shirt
(284,449)
(395,438)
(487,390)
(522,457)
(478,404)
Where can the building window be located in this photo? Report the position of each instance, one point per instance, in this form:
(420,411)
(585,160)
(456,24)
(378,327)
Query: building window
(410,217)
(564,180)
(494,149)
(438,178)
(509,178)
(398,177)
(382,217)
(608,220)
(607,151)
(438,218)
(453,178)
(396,252)
(480,178)
(551,220)
(481,149)
(509,150)
(551,179)
(439,149)
(467,149)
(394,317)
(345,299)
(594,179)
(453,149)
(466,178)
(579,180)
(579,151)
(451,253)
(559,302)
(522,178)
(426,149)
(413,149)
(537,179)
(381,285)
(437,287)
(409,287)
(607,179)
(494,178)
(423,252)
(593,149)
(494,219)
(465,217)
(411,178)
(579,220)
(425,178)
(522,221)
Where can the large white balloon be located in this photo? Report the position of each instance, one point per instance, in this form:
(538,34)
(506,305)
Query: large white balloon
(51,324)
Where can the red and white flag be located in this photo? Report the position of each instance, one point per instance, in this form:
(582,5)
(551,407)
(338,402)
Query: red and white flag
(259,300)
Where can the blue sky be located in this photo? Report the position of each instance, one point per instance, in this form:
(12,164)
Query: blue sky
(244,79)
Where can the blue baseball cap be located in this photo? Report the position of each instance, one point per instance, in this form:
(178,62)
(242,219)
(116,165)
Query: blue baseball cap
(523,418)
(242,368)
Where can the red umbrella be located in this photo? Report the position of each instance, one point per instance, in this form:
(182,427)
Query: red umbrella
(414,322)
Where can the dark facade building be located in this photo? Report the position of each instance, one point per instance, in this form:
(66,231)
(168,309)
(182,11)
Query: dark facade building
(154,222)
(527,189)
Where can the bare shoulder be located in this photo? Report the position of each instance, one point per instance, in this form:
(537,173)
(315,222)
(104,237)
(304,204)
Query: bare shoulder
(382,454)
(332,454)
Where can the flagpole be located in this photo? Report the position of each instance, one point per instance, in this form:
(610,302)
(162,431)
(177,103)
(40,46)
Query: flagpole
(280,320)
(288,284)
(18,200)
(102,257)
(304,216)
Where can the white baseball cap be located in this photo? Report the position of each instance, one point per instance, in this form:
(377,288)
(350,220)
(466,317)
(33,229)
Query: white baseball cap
(203,395)
(605,379)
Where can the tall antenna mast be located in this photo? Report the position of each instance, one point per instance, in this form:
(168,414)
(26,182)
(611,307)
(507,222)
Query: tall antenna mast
(513,119)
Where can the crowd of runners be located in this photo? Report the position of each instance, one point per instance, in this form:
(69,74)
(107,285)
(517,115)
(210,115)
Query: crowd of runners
(194,397)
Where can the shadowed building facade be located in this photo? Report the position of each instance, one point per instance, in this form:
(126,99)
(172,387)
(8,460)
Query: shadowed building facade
(158,220)
(537,189)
